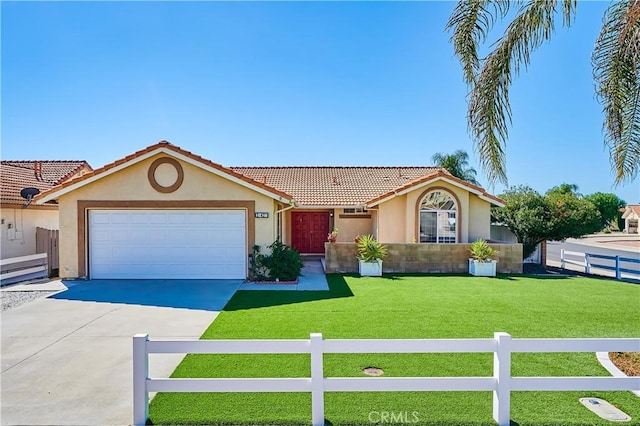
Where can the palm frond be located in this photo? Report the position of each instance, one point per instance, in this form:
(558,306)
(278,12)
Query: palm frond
(616,73)
(489,112)
(470,23)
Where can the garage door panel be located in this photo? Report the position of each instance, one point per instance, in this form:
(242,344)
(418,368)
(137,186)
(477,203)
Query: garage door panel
(120,218)
(139,218)
(101,218)
(202,244)
(157,218)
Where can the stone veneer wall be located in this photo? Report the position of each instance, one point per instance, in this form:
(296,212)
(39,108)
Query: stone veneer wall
(409,258)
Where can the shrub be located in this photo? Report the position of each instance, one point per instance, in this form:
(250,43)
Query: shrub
(369,249)
(481,251)
(283,263)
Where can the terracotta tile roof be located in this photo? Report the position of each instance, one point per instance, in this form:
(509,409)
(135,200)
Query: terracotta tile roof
(336,186)
(315,186)
(439,173)
(16,175)
(169,146)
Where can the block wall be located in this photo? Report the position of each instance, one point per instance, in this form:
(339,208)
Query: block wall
(411,258)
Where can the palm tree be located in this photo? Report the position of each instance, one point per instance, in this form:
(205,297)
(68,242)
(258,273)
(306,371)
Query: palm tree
(615,61)
(457,164)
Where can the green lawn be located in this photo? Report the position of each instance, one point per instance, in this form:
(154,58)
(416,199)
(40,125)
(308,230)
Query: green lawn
(412,307)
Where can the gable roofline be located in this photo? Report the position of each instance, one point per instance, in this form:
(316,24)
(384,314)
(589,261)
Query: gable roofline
(73,172)
(29,165)
(169,149)
(631,210)
(428,179)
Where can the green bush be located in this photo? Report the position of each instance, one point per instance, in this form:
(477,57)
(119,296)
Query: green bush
(369,249)
(283,263)
(482,251)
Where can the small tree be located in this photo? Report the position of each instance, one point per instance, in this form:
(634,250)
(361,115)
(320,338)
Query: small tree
(571,215)
(527,215)
(558,215)
(609,206)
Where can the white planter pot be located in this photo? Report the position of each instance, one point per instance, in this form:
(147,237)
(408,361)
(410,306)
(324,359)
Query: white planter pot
(370,269)
(482,269)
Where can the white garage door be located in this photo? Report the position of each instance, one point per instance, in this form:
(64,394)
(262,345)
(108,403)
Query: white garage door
(195,244)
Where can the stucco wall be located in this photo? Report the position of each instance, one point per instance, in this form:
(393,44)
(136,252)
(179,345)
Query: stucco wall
(392,220)
(22,240)
(479,219)
(349,227)
(132,184)
(399,217)
(414,258)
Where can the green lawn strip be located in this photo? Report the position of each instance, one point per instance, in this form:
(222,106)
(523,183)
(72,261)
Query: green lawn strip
(411,307)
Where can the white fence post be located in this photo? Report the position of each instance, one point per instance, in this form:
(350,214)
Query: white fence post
(562,258)
(502,374)
(317,380)
(587,266)
(140,376)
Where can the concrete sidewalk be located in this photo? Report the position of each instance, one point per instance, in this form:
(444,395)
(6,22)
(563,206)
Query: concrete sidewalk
(68,360)
(312,278)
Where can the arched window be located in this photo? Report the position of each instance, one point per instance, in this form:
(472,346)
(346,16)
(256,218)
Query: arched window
(438,218)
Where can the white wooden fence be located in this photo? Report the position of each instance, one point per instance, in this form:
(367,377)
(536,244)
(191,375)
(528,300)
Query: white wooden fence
(586,261)
(501,382)
(22,268)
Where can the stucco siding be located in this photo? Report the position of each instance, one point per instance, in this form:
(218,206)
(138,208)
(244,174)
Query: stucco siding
(479,219)
(132,184)
(392,220)
(350,227)
(462,199)
(18,229)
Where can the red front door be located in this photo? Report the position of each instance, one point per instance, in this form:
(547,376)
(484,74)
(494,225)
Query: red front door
(309,231)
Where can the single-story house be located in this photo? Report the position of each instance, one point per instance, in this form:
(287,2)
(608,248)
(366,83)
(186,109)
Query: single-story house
(19,218)
(631,215)
(164,212)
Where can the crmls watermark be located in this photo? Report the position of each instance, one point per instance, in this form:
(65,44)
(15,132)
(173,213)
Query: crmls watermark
(394,417)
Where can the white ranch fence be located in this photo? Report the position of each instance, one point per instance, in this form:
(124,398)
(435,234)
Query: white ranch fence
(614,263)
(501,382)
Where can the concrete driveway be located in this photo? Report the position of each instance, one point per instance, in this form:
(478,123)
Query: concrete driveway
(66,359)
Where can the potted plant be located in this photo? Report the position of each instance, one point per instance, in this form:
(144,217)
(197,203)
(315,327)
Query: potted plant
(481,262)
(333,235)
(370,256)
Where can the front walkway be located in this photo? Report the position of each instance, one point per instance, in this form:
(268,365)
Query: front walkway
(312,278)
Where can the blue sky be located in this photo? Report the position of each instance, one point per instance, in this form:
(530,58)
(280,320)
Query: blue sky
(286,83)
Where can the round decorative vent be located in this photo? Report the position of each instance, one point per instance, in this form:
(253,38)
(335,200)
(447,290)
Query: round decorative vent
(165,175)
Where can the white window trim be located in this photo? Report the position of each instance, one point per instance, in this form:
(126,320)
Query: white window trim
(437,212)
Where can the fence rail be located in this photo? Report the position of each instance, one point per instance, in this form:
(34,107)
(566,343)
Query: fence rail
(588,264)
(22,268)
(501,382)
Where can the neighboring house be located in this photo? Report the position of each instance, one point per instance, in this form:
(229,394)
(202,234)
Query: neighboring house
(164,212)
(631,216)
(18,223)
